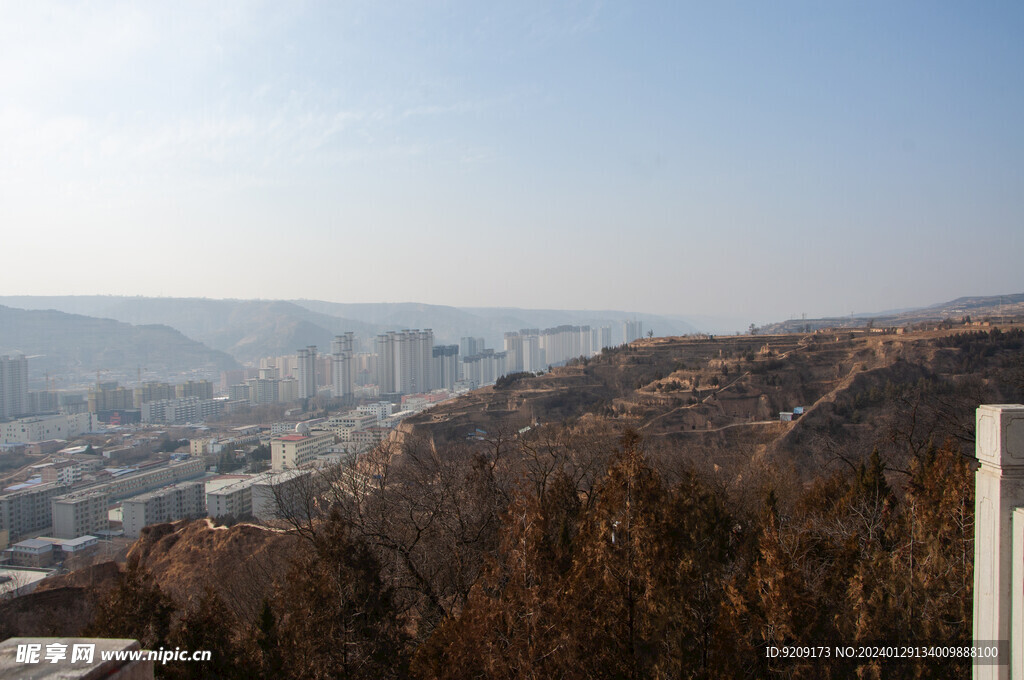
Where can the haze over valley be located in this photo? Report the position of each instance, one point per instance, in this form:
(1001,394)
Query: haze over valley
(511,340)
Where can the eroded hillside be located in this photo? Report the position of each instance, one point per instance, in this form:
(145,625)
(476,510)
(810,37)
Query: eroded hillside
(699,391)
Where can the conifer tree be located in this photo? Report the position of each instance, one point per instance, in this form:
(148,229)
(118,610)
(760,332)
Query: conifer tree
(337,618)
(614,584)
(136,609)
(209,625)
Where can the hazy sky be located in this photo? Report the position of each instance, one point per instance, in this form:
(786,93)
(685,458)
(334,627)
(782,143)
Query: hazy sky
(757,159)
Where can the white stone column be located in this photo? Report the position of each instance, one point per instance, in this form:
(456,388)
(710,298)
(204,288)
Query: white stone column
(999,490)
(1017,598)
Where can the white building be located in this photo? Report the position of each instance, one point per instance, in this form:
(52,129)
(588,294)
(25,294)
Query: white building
(258,495)
(632,330)
(485,368)
(380,410)
(307,372)
(133,484)
(180,501)
(446,366)
(562,343)
(405,361)
(291,451)
(29,510)
(80,513)
(178,411)
(263,390)
(288,390)
(513,352)
(41,428)
(469,347)
(342,377)
(233,499)
(13,386)
(277,494)
(238,392)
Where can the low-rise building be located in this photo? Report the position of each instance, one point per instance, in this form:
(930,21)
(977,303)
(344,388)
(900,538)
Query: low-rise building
(133,484)
(282,428)
(15,582)
(262,496)
(28,510)
(380,409)
(277,495)
(43,428)
(32,552)
(363,440)
(291,451)
(179,501)
(354,420)
(184,410)
(200,447)
(233,500)
(80,513)
(75,551)
(46,551)
(69,471)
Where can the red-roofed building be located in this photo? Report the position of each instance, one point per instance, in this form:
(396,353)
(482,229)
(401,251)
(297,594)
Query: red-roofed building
(291,451)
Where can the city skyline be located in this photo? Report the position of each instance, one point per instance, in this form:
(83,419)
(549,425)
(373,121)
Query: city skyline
(745,161)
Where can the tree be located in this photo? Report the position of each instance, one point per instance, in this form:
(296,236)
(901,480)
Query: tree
(227,462)
(432,515)
(261,452)
(136,608)
(337,617)
(613,586)
(208,625)
(268,643)
(697,536)
(511,624)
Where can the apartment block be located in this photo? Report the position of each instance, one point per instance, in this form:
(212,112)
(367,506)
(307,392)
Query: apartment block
(261,496)
(446,366)
(295,450)
(342,380)
(234,499)
(28,510)
(202,389)
(178,411)
(69,471)
(405,361)
(307,372)
(81,513)
(13,386)
(179,501)
(278,494)
(42,428)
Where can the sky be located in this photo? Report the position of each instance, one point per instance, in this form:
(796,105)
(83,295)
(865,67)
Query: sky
(743,159)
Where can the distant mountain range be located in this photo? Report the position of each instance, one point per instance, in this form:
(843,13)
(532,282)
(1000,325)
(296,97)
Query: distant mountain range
(91,332)
(250,329)
(976,307)
(71,343)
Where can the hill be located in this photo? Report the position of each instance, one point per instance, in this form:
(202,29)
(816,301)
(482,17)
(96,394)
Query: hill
(72,343)
(527,517)
(250,329)
(695,393)
(245,329)
(992,306)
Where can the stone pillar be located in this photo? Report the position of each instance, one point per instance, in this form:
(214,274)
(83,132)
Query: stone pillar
(1017,598)
(999,490)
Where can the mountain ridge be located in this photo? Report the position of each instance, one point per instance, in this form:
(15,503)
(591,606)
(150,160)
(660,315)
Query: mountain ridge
(63,343)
